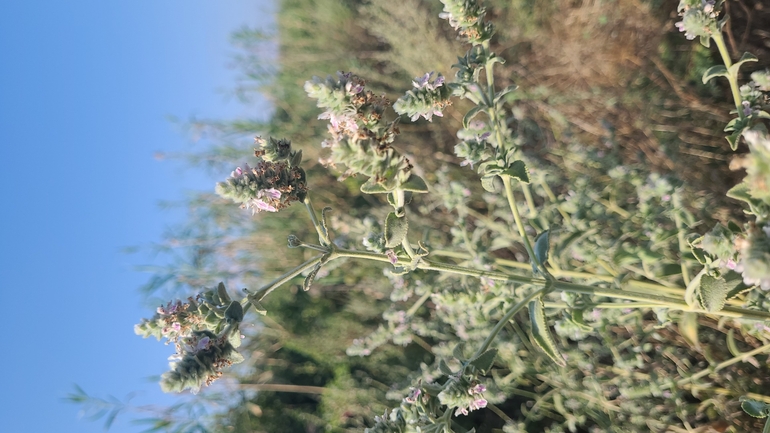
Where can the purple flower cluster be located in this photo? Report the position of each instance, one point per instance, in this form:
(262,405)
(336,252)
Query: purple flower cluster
(478,402)
(427,99)
(698,18)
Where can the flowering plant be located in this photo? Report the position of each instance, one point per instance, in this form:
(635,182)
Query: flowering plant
(580,260)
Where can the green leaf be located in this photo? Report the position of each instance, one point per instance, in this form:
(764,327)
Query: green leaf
(518,170)
(457,352)
(487,168)
(700,255)
(763,115)
(432,388)
(733,140)
(259,308)
(705,41)
(541,334)
(714,71)
(391,199)
(224,298)
(372,187)
(731,125)
(471,114)
(235,337)
(395,230)
(731,346)
(235,357)
(503,93)
(721,23)
(415,184)
(311,277)
(488,183)
(444,367)
(494,59)
(754,408)
(325,221)
(296,158)
(541,249)
(234,312)
(712,293)
(576,317)
(484,361)
(746,57)
(740,192)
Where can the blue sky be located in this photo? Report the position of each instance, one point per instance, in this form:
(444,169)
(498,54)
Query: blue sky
(85,90)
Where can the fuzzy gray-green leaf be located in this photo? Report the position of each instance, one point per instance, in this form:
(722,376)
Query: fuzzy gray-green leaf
(746,57)
(754,408)
(311,277)
(541,250)
(484,361)
(415,184)
(731,345)
(224,298)
(235,337)
(541,334)
(372,187)
(471,114)
(395,230)
(444,367)
(714,71)
(488,183)
(234,312)
(457,352)
(712,293)
(519,171)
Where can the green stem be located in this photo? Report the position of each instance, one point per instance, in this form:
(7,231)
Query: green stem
(732,78)
(413,309)
(400,204)
(520,223)
(560,286)
(562,273)
(530,202)
(606,305)
(495,118)
(264,291)
(323,237)
(508,316)
(490,80)
(500,413)
(314,247)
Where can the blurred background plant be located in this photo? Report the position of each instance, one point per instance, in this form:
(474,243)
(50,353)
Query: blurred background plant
(623,139)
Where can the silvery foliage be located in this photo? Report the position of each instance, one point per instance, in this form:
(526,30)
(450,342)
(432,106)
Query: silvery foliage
(613,246)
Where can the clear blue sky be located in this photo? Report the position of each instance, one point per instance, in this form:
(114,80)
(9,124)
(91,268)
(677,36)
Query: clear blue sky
(85,88)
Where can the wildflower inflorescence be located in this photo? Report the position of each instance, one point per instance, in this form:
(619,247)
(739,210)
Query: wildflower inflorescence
(272,184)
(462,395)
(205,333)
(361,139)
(427,99)
(698,18)
(467,17)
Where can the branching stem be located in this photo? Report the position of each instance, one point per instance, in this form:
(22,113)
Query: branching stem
(732,78)
(323,237)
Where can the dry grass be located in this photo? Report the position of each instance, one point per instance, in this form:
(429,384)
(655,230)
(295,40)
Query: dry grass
(615,73)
